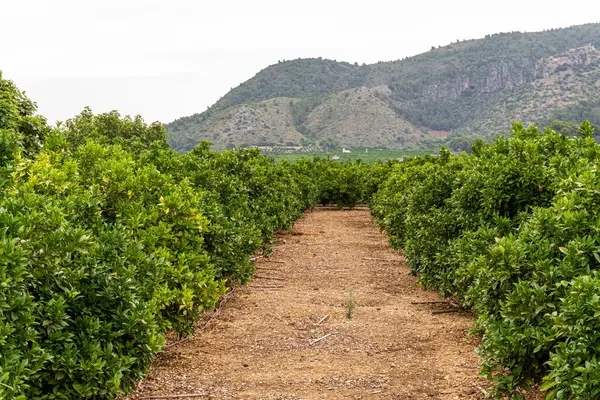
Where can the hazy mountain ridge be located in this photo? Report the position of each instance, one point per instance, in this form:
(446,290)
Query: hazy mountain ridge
(474,87)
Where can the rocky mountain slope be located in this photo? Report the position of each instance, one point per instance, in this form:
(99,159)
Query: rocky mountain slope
(474,87)
(559,82)
(359,117)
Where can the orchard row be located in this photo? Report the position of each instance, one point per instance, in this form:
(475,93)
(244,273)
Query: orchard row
(109,239)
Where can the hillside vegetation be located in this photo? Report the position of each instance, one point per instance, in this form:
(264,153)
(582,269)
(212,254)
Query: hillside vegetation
(358,116)
(471,87)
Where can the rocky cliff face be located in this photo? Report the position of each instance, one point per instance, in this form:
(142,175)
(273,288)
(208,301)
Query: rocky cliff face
(462,95)
(573,59)
(560,81)
(484,79)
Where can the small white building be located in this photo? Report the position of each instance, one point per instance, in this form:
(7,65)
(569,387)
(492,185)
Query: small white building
(346,151)
(335,158)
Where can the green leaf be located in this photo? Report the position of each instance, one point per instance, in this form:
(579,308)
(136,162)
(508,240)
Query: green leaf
(547,385)
(518,396)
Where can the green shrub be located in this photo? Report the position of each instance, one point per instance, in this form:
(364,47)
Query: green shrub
(512,231)
(108,239)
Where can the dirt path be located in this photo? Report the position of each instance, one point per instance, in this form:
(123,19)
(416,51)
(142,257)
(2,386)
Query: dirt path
(271,340)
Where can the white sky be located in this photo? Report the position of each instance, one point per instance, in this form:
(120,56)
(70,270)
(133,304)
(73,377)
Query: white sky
(171,58)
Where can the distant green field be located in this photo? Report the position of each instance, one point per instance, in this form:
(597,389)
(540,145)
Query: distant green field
(371,157)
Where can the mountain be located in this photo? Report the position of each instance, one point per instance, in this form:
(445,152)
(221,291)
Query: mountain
(474,87)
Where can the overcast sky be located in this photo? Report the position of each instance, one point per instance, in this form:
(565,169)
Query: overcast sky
(171,58)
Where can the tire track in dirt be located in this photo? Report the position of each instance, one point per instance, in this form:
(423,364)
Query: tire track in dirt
(287,334)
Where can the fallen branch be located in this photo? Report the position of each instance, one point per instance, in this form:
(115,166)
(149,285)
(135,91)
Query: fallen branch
(446,311)
(172,396)
(322,320)
(269,278)
(264,287)
(319,339)
(432,302)
(185,339)
(379,259)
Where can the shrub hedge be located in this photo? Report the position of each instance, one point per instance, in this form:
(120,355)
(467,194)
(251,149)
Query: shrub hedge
(109,239)
(513,232)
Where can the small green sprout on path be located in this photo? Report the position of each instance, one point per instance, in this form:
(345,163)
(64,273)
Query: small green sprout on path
(350,304)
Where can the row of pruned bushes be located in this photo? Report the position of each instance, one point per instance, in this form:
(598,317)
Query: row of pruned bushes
(512,231)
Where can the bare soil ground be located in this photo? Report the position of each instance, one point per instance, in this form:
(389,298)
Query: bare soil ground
(289,333)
